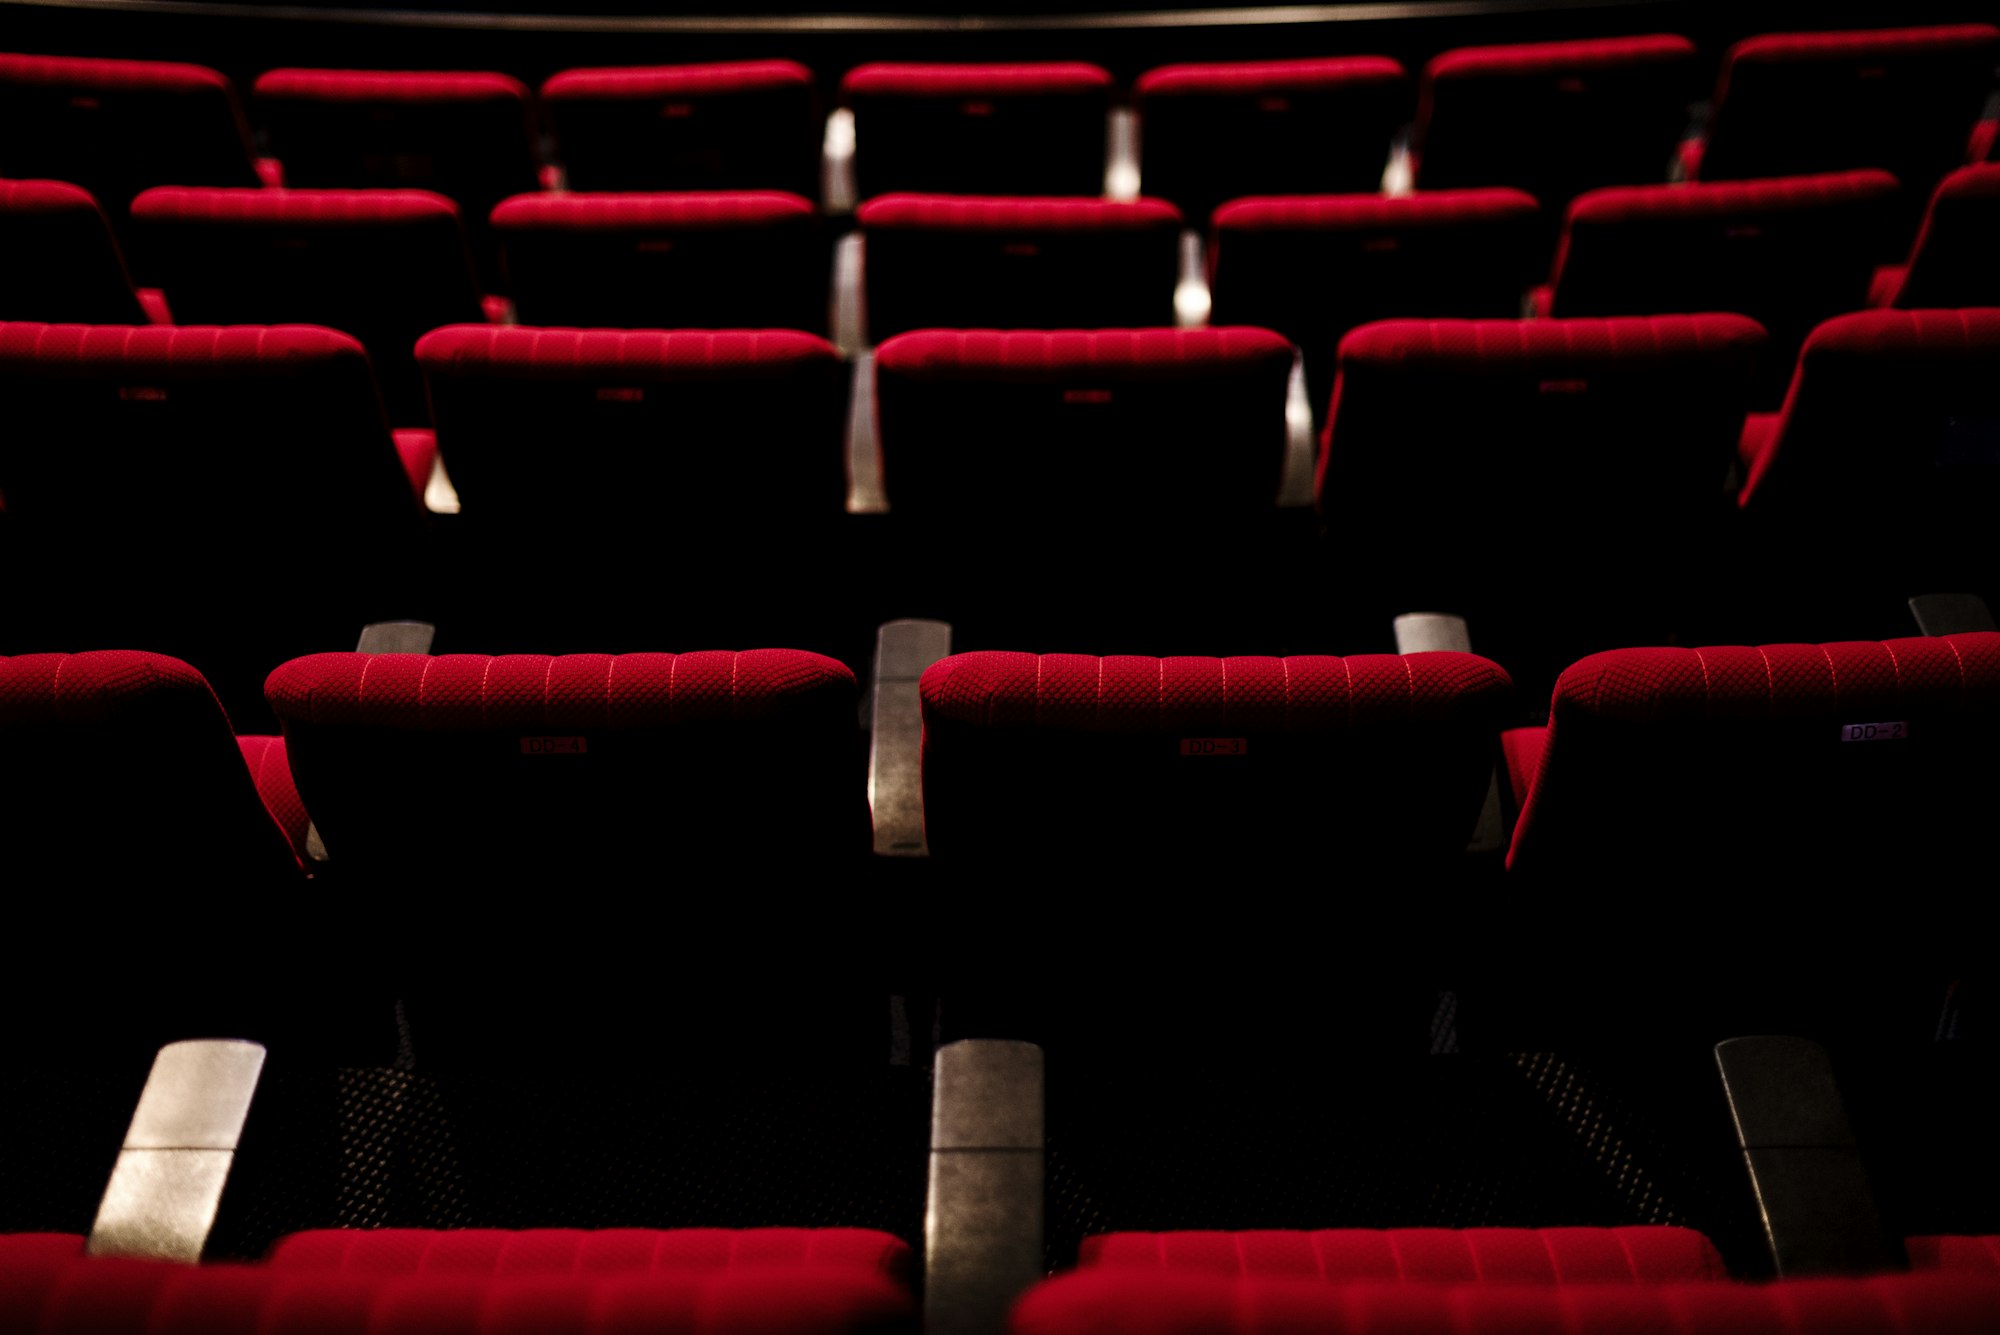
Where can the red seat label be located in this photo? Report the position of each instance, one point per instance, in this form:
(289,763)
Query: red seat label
(554,746)
(1215,746)
(1874,732)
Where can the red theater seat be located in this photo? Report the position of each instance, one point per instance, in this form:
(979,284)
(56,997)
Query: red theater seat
(730,431)
(1314,267)
(1208,133)
(979,129)
(748,260)
(383,265)
(65,261)
(470,136)
(1360,763)
(1553,118)
(1129,426)
(1954,261)
(732,125)
(1899,408)
(1851,760)
(1092,1303)
(1899,99)
(1493,441)
(578,1252)
(584,764)
(970,262)
(124,770)
(115,127)
(1788,253)
(1645,1255)
(1959,1255)
(103,1297)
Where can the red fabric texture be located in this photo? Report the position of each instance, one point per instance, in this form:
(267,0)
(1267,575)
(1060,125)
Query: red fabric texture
(1973,1255)
(103,1297)
(892,79)
(1953,263)
(154,303)
(1521,749)
(323,85)
(417,447)
(35,1249)
(1535,59)
(1759,431)
(1244,78)
(1310,693)
(1015,213)
(1646,1255)
(84,72)
(645,354)
(472,692)
(67,263)
(618,83)
(1111,1303)
(1859,367)
(273,776)
(294,206)
(1623,203)
(1862,45)
(1886,283)
(1985,137)
(183,351)
(614,211)
(581,1252)
(1025,356)
(1372,213)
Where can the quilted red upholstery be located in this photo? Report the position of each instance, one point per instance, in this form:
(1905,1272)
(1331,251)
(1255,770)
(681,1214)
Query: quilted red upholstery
(382,265)
(984,262)
(1953,262)
(1364,760)
(1553,118)
(1213,132)
(1109,1303)
(1858,757)
(1985,137)
(1521,749)
(272,774)
(732,125)
(569,1251)
(1788,253)
(1901,99)
(66,264)
(1960,1255)
(469,136)
(115,127)
(1136,417)
(140,1298)
(1030,129)
(584,761)
(1493,436)
(123,767)
(748,259)
(713,430)
(1313,267)
(417,448)
(1420,1255)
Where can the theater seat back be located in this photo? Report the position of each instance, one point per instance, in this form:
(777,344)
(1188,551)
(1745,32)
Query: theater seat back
(1844,759)
(995,129)
(584,762)
(1954,263)
(66,264)
(1633,1254)
(122,769)
(1370,762)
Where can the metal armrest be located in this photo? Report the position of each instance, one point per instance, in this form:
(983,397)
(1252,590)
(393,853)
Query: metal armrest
(162,1197)
(983,1227)
(903,649)
(1951,613)
(1819,1214)
(396,637)
(1443,632)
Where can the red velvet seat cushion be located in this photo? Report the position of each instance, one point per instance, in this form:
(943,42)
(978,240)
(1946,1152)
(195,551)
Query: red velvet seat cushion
(272,774)
(1239,78)
(96,1297)
(1009,213)
(623,82)
(567,1251)
(1414,1255)
(1113,1303)
(918,80)
(690,209)
(1964,1255)
(390,86)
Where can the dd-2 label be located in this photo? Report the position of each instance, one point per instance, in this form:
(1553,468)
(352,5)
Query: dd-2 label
(1874,732)
(1215,746)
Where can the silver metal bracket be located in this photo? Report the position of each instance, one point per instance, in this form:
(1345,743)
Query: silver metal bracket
(983,1227)
(1818,1211)
(903,649)
(1951,613)
(396,637)
(165,1188)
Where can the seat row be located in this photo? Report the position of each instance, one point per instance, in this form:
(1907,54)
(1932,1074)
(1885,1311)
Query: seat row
(1552,118)
(387,266)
